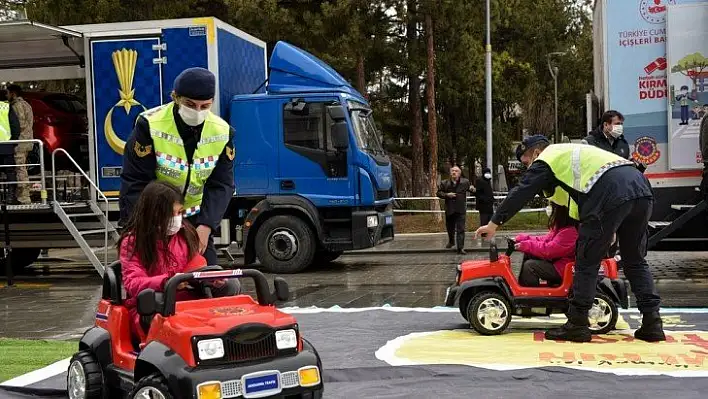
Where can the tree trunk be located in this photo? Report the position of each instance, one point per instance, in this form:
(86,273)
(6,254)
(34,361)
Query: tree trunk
(360,77)
(432,112)
(418,173)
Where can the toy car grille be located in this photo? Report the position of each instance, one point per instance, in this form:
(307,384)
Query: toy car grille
(261,349)
(232,389)
(289,379)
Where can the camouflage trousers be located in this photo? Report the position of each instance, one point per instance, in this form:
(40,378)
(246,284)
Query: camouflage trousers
(23,188)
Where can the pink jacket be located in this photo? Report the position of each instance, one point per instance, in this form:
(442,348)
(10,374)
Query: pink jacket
(557,246)
(136,278)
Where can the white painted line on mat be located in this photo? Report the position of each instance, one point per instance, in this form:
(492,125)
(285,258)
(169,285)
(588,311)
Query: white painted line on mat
(444,309)
(39,375)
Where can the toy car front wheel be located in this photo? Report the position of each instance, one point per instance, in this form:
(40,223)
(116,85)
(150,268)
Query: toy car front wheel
(84,379)
(603,314)
(152,386)
(489,313)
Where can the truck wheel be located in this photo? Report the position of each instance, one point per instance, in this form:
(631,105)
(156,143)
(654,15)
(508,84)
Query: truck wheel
(324,256)
(489,313)
(84,379)
(285,244)
(153,386)
(603,314)
(21,258)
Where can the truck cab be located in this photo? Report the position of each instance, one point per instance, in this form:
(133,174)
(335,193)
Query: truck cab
(312,177)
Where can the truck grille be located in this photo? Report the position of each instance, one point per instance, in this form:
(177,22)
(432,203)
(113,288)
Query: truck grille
(263,348)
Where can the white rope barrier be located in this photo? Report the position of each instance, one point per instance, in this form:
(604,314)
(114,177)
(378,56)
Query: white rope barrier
(529,210)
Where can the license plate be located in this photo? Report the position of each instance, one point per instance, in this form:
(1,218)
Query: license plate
(388,220)
(260,384)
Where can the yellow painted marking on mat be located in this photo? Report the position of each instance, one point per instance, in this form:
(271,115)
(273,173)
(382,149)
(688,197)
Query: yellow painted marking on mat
(210,28)
(682,352)
(27,285)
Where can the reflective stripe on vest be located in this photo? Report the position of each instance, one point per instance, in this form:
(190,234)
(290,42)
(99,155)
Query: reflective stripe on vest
(580,166)
(5,130)
(172,164)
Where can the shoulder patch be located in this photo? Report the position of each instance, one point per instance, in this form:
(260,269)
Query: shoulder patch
(230,152)
(142,150)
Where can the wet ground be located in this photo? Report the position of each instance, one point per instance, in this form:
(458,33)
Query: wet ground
(61,304)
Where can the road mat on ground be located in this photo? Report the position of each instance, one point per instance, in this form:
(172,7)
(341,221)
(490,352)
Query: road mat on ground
(426,353)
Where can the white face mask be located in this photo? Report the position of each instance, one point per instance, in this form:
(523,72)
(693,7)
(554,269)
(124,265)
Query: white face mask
(549,211)
(191,116)
(487,176)
(616,131)
(684,92)
(175,225)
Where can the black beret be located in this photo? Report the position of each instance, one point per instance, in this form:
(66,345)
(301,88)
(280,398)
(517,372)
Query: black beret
(529,142)
(196,84)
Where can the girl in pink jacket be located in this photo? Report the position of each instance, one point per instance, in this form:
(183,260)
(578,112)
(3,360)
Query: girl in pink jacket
(546,256)
(156,245)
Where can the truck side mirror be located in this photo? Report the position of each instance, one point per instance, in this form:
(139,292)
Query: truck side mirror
(336,112)
(282,291)
(340,136)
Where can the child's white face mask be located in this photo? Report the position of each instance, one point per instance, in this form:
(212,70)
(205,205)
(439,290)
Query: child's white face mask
(175,225)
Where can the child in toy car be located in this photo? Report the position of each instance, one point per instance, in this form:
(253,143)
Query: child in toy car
(156,245)
(547,256)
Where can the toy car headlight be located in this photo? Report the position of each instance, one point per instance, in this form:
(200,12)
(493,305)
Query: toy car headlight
(286,339)
(210,349)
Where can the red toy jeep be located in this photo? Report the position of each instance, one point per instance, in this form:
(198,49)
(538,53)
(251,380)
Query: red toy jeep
(212,348)
(488,294)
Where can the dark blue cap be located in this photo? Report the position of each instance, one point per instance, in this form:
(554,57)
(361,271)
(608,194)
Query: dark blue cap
(529,142)
(196,84)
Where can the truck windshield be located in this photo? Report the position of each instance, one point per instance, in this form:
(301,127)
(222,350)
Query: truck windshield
(367,136)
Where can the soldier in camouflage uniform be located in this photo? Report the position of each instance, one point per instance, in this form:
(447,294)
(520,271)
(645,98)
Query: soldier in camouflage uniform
(26,118)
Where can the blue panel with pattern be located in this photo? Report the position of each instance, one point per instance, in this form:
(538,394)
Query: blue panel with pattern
(241,68)
(107,95)
(186,48)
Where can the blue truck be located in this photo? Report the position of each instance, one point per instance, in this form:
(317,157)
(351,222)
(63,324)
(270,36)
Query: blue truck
(311,174)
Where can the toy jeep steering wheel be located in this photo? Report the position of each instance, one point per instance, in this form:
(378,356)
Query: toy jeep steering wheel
(510,245)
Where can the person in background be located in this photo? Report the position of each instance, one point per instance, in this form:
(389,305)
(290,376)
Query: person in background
(454,192)
(26,119)
(546,256)
(9,130)
(609,136)
(156,244)
(484,196)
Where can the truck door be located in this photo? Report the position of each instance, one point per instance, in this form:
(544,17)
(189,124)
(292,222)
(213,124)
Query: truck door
(126,81)
(309,165)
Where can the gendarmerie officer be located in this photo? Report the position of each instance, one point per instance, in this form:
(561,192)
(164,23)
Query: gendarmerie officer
(185,144)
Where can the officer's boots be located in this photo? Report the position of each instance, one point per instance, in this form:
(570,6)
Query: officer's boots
(652,328)
(575,330)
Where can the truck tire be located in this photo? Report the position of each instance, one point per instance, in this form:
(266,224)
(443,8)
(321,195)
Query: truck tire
(285,244)
(21,258)
(151,386)
(84,379)
(324,256)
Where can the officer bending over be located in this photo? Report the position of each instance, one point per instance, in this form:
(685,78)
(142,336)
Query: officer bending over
(612,196)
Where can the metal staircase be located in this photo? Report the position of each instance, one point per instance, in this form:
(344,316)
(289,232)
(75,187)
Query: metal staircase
(662,229)
(70,215)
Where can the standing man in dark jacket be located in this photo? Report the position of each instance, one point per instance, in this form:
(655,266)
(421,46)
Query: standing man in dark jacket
(9,130)
(454,192)
(183,143)
(485,196)
(609,136)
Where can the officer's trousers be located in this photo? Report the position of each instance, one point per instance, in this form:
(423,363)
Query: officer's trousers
(630,221)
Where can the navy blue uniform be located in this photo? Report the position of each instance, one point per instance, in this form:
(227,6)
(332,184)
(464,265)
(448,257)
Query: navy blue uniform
(139,171)
(621,201)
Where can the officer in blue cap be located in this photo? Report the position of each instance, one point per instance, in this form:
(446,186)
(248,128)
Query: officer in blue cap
(612,196)
(185,144)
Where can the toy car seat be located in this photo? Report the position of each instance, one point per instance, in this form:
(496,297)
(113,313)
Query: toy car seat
(113,284)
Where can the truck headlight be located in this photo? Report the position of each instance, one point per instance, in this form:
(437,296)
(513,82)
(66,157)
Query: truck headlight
(372,221)
(286,339)
(210,349)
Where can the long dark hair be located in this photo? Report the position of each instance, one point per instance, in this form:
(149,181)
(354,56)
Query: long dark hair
(150,221)
(560,218)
